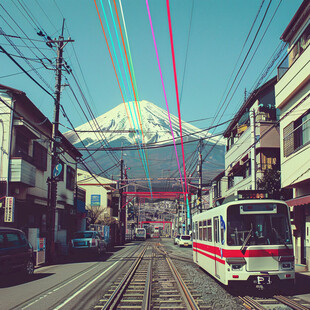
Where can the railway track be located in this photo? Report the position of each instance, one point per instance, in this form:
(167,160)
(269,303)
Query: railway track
(277,302)
(152,282)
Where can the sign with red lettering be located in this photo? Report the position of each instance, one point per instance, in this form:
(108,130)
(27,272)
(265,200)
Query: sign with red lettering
(9,209)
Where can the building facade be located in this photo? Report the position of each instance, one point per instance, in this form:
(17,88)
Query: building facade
(98,197)
(292,93)
(252,143)
(25,169)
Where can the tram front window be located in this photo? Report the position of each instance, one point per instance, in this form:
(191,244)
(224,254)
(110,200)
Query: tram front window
(244,229)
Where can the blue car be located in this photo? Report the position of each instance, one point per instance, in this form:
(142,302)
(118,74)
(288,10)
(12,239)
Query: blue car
(87,242)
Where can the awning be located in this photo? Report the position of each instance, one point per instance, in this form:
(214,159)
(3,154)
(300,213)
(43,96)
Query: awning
(299,201)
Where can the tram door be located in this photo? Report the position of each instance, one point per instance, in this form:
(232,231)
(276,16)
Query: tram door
(196,232)
(216,242)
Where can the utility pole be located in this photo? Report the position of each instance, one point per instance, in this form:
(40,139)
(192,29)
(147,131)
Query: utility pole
(199,203)
(56,167)
(253,148)
(121,215)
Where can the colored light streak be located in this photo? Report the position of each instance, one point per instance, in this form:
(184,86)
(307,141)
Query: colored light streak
(164,90)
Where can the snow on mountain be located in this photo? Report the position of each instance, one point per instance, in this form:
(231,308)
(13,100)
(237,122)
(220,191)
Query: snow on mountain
(155,123)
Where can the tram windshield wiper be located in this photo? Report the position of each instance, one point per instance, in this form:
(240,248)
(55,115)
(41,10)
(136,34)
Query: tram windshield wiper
(278,236)
(246,239)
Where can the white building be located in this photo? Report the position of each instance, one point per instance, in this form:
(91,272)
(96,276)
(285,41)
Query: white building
(252,142)
(25,167)
(292,93)
(97,192)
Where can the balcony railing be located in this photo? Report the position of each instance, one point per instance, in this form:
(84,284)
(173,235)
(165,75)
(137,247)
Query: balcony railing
(294,53)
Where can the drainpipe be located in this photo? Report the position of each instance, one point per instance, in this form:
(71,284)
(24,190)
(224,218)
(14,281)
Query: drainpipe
(1,148)
(10,147)
(253,148)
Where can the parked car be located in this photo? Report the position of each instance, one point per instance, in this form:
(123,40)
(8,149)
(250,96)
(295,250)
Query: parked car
(185,240)
(176,239)
(87,242)
(16,253)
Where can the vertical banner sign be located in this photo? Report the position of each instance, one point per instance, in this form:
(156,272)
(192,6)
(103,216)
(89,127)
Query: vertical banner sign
(9,209)
(95,200)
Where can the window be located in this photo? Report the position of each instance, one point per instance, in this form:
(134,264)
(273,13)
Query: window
(288,139)
(305,39)
(200,230)
(21,145)
(296,134)
(12,239)
(247,169)
(216,229)
(230,181)
(1,241)
(70,178)
(268,159)
(204,231)
(39,156)
(258,229)
(209,230)
(196,231)
(23,240)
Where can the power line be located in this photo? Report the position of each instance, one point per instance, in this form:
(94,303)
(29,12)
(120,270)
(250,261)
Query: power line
(4,51)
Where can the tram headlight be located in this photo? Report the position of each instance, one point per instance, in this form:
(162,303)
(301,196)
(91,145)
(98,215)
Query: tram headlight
(236,267)
(286,265)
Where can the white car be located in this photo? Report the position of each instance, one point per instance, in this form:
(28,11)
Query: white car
(185,240)
(176,239)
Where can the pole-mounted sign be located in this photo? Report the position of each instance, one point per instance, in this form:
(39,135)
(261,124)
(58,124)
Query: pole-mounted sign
(57,170)
(9,209)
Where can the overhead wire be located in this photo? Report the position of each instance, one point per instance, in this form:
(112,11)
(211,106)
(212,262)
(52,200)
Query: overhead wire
(132,76)
(249,62)
(25,58)
(164,91)
(240,67)
(94,120)
(178,105)
(26,71)
(133,122)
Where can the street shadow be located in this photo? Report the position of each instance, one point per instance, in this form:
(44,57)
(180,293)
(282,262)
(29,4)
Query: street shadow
(11,280)
(300,286)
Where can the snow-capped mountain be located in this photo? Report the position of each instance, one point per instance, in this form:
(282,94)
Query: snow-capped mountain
(115,125)
(118,131)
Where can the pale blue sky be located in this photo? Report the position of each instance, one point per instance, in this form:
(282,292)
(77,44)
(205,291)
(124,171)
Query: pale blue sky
(218,31)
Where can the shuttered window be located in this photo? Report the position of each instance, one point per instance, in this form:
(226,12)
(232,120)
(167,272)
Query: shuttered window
(288,139)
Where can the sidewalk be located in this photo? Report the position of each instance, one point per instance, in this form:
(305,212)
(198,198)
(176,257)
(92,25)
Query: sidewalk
(302,287)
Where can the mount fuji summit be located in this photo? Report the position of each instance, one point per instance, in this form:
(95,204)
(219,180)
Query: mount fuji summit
(118,132)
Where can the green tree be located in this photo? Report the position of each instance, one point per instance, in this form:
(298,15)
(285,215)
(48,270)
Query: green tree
(271,183)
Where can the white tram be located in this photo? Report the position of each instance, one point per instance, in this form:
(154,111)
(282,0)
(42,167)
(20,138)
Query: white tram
(141,234)
(245,240)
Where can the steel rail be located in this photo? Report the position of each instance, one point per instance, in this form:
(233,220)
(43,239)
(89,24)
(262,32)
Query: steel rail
(250,303)
(189,298)
(117,294)
(146,303)
(294,305)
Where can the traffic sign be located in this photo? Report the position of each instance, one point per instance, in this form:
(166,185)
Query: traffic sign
(57,170)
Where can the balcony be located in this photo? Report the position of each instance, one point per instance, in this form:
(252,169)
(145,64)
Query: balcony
(22,171)
(267,136)
(292,77)
(241,146)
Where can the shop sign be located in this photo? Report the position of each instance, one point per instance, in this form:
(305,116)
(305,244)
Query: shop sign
(9,209)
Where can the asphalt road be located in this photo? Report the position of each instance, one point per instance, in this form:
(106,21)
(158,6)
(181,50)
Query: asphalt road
(75,284)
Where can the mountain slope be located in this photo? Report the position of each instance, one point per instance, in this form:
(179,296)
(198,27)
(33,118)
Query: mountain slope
(162,161)
(155,124)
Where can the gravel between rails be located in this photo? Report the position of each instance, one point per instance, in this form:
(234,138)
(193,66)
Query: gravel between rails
(213,294)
